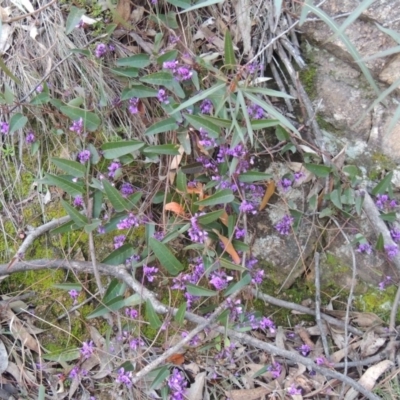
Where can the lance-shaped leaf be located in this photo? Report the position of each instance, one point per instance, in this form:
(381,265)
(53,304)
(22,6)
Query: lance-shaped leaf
(199,122)
(120,255)
(136,61)
(139,91)
(199,291)
(115,304)
(162,78)
(165,257)
(119,149)
(115,197)
(168,124)
(151,316)
(70,167)
(238,285)
(17,121)
(221,197)
(75,215)
(65,184)
(90,120)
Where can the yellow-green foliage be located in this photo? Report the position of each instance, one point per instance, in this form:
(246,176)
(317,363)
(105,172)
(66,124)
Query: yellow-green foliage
(308,78)
(381,163)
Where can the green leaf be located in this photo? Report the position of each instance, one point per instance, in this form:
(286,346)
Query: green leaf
(90,120)
(8,93)
(198,97)
(390,217)
(202,4)
(229,52)
(139,91)
(351,170)
(159,379)
(73,19)
(92,226)
(238,285)
(246,116)
(181,181)
(230,265)
(359,204)
(114,289)
(180,3)
(167,149)
(168,56)
(118,202)
(115,304)
(64,228)
(118,149)
(254,176)
(165,257)
(263,123)
(68,286)
(128,72)
(199,291)
(321,171)
(70,167)
(383,185)
(268,92)
(75,215)
(210,217)
(151,316)
(223,123)
(136,61)
(64,184)
(221,197)
(336,199)
(380,243)
(199,122)
(168,19)
(120,255)
(8,72)
(41,98)
(162,78)
(326,212)
(17,121)
(64,355)
(180,314)
(168,124)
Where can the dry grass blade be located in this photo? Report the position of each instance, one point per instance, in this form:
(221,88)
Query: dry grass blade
(175,208)
(228,247)
(268,194)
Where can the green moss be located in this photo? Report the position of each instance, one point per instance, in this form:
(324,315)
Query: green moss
(308,78)
(381,163)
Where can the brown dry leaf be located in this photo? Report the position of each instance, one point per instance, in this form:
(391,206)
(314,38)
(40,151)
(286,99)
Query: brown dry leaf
(197,190)
(174,207)
(4,13)
(268,194)
(177,359)
(21,333)
(369,378)
(224,218)
(366,319)
(229,247)
(305,337)
(242,9)
(247,394)
(137,14)
(123,11)
(175,164)
(370,344)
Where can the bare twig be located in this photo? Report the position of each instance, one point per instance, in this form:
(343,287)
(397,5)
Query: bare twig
(8,21)
(318,306)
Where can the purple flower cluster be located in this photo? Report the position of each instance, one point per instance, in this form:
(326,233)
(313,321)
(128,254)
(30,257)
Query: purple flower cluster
(101,50)
(87,349)
(4,127)
(195,232)
(235,308)
(77,126)
(275,369)
(162,96)
(194,341)
(74,295)
(78,201)
(391,250)
(247,207)
(261,323)
(124,377)
(84,156)
(285,184)
(304,349)
(180,72)
(119,241)
(149,272)
(220,280)
(131,221)
(112,169)
(386,281)
(395,233)
(255,111)
(383,201)
(30,138)
(135,343)
(131,313)
(364,248)
(127,189)
(240,233)
(206,107)
(205,140)
(227,353)
(253,67)
(133,105)
(177,385)
(284,225)
(293,390)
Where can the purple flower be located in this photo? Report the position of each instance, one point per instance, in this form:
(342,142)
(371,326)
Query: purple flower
(112,168)
(149,272)
(129,222)
(119,241)
(39,89)
(74,295)
(304,349)
(183,73)
(284,225)
(391,250)
(205,140)
(124,377)
(77,126)
(285,184)
(267,323)
(133,105)
(395,233)
(159,235)
(171,65)
(275,369)
(235,308)
(4,127)
(387,281)
(134,344)
(177,385)
(78,201)
(194,341)
(298,176)
(257,276)
(253,67)
(162,96)
(220,280)
(247,207)
(255,111)
(74,373)
(111,47)
(84,156)
(87,349)
(127,189)
(101,50)
(293,390)
(174,39)
(195,232)
(364,248)
(131,313)
(240,233)
(30,138)
(320,360)
(206,106)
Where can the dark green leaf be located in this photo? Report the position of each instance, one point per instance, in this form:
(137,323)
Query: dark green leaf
(335,199)
(64,184)
(114,289)
(220,197)
(118,149)
(139,91)
(181,181)
(199,122)
(151,316)
(158,78)
(229,52)
(199,291)
(351,170)
(180,315)
(162,374)
(64,228)
(165,125)
(238,285)
(90,120)
(118,202)
(254,176)
(223,123)
(210,217)
(321,171)
(168,56)
(120,255)
(165,257)
(17,121)
(230,265)
(167,149)
(168,19)
(383,185)
(92,226)
(380,243)
(282,134)
(263,123)
(136,61)
(41,98)
(8,72)
(73,168)
(74,17)
(115,304)
(128,72)
(390,217)
(75,215)
(359,204)
(180,3)
(64,355)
